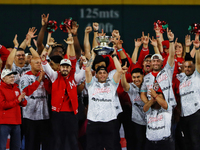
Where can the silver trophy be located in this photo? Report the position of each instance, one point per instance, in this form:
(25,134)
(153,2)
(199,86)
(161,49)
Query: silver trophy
(103,48)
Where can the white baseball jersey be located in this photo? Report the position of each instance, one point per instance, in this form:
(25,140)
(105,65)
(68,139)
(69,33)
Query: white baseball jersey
(101,100)
(20,71)
(189,89)
(36,108)
(164,79)
(158,123)
(138,115)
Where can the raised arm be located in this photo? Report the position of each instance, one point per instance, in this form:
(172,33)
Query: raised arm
(32,50)
(170,36)
(40,38)
(159,34)
(154,43)
(87,46)
(11,56)
(70,47)
(145,40)
(160,46)
(196,43)
(116,76)
(88,73)
(138,43)
(95,28)
(77,46)
(47,68)
(124,82)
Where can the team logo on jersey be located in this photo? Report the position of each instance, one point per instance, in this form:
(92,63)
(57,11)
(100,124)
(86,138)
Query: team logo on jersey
(156,86)
(72,84)
(16,93)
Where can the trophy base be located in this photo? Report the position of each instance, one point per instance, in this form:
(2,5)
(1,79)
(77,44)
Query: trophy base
(103,50)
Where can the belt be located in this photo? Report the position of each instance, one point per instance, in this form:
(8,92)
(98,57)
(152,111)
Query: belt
(162,140)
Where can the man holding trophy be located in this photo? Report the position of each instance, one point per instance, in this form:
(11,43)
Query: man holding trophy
(102,107)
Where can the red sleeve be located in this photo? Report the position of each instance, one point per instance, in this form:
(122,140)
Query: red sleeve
(129,59)
(7,104)
(164,55)
(165,60)
(31,88)
(4,55)
(65,56)
(23,103)
(143,53)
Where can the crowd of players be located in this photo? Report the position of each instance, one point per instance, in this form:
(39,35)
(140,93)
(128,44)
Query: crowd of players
(58,98)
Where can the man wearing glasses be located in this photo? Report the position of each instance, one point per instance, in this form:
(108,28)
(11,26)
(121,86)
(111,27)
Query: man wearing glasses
(16,59)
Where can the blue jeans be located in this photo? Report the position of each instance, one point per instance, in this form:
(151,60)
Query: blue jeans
(15,136)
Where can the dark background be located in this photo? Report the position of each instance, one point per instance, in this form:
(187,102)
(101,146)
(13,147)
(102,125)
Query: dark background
(130,20)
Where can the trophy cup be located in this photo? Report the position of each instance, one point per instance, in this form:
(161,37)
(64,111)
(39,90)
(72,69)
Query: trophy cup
(103,48)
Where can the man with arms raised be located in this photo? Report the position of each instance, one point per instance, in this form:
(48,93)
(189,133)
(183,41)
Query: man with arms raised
(64,100)
(101,110)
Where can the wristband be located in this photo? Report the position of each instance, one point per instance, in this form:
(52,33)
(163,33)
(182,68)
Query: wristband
(29,46)
(23,99)
(119,50)
(171,41)
(95,31)
(74,35)
(158,36)
(47,46)
(15,47)
(113,55)
(85,62)
(197,48)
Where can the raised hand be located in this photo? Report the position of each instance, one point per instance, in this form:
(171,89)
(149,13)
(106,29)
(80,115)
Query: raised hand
(170,35)
(115,33)
(50,40)
(157,30)
(74,28)
(32,32)
(154,42)
(145,39)
(41,76)
(44,19)
(175,43)
(138,42)
(188,42)
(16,44)
(88,29)
(83,59)
(117,42)
(22,96)
(95,26)
(196,42)
(102,33)
(69,40)
(43,56)
(125,68)
(28,40)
